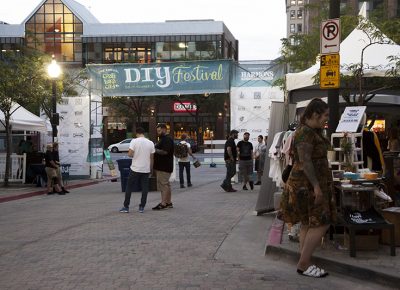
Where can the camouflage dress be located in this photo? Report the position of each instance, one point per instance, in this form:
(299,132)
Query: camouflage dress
(297,199)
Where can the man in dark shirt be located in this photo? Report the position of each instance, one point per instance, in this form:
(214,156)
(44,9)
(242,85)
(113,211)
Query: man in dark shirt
(245,151)
(50,169)
(163,166)
(56,158)
(230,156)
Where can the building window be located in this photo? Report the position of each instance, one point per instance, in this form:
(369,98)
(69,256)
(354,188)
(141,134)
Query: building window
(292,2)
(300,2)
(299,28)
(292,14)
(299,14)
(178,50)
(292,28)
(53,29)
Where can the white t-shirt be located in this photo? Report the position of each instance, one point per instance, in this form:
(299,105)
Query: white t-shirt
(142,149)
(185,159)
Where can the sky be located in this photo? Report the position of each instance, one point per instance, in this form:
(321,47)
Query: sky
(257,24)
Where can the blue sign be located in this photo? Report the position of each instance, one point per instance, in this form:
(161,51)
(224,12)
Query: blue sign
(169,78)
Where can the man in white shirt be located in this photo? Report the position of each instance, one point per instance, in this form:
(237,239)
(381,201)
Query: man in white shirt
(142,151)
(184,163)
(259,155)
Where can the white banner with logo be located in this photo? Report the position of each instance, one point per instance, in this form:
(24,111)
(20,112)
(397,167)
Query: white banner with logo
(251,96)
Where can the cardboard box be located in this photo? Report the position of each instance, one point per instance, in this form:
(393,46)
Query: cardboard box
(363,242)
(392,215)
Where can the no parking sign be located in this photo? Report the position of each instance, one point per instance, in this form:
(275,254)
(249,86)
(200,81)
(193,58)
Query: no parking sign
(330,36)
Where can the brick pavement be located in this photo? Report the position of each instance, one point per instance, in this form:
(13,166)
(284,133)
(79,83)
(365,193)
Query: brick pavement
(81,241)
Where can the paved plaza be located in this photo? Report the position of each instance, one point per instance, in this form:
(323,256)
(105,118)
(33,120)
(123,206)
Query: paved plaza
(209,240)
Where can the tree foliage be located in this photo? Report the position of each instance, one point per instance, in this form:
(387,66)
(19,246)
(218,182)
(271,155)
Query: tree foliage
(22,80)
(300,51)
(359,90)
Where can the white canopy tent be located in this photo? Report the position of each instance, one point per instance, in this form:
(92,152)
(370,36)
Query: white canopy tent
(23,120)
(375,59)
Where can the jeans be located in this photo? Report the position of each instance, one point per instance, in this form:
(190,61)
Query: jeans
(230,172)
(134,180)
(184,165)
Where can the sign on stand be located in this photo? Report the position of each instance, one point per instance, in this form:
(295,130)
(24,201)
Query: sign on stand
(110,163)
(350,119)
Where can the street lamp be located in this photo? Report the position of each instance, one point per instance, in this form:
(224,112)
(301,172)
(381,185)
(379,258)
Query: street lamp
(54,72)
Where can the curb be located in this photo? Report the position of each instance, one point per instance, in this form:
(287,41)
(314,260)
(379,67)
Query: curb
(43,192)
(340,268)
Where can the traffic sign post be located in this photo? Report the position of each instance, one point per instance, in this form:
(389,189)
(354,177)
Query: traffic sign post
(330,36)
(329,73)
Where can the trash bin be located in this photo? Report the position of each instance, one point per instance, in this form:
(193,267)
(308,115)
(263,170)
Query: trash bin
(65,172)
(124,169)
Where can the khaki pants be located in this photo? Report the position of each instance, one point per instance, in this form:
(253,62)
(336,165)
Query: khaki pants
(164,186)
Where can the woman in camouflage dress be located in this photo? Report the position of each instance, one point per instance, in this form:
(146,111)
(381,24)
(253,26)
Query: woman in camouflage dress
(307,196)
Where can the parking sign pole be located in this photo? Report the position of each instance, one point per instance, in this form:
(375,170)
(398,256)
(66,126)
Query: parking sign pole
(333,94)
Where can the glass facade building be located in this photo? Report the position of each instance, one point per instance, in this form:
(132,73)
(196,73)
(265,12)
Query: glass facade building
(68,30)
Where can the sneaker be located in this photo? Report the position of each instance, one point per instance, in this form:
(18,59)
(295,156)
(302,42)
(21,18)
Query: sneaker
(182,186)
(257,183)
(224,187)
(245,187)
(50,193)
(190,185)
(124,210)
(64,190)
(231,190)
(169,205)
(141,209)
(251,185)
(159,207)
(61,193)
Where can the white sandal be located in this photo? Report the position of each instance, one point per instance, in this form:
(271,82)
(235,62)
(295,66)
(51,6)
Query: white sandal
(313,271)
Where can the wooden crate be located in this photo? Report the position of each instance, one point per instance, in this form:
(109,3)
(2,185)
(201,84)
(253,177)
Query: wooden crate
(392,215)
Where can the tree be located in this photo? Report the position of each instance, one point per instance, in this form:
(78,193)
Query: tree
(300,51)
(23,80)
(359,90)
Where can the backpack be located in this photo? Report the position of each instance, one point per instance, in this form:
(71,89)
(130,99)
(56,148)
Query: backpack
(180,150)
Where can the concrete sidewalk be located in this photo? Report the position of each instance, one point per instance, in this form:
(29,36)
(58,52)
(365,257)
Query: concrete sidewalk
(206,225)
(17,191)
(375,266)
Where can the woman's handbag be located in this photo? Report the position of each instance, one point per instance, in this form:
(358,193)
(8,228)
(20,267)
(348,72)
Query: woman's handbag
(286,172)
(196,163)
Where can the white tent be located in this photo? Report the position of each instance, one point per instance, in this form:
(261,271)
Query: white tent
(375,57)
(23,120)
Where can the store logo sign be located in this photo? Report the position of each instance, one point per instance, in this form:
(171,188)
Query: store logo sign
(183,107)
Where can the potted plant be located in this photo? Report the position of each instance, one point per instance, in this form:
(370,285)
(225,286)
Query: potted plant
(347,147)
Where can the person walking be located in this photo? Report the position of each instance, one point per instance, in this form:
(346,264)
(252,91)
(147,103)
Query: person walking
(245,153)
(184,162)
(230,156)
(393,140)
(163,166)
(307,196)
(50,168)
(56,158)
(260,153)
(142,151)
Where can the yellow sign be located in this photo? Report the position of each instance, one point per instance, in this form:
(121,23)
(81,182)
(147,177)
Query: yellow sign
(329,73)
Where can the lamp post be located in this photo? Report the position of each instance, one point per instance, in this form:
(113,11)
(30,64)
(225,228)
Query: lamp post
(54,72)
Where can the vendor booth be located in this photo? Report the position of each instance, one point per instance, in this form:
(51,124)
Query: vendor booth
(26,124)
(367,197)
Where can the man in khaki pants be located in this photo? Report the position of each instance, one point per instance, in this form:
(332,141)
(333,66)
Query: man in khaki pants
(163,166)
